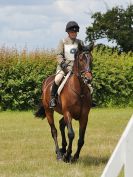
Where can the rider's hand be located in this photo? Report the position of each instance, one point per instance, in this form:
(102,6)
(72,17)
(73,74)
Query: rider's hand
(63,65)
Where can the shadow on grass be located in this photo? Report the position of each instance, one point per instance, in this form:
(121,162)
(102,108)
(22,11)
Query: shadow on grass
(93,160)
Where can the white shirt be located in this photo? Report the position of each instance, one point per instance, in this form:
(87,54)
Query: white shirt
(70,50)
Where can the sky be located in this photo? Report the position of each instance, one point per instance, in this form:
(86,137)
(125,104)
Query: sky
(41,23)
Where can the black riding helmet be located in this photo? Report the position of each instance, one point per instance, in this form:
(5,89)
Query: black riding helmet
(72,26)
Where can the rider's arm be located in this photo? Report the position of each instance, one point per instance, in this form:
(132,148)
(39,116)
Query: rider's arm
(60,52)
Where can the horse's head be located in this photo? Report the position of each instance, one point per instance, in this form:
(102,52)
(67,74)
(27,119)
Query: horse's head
(83,60)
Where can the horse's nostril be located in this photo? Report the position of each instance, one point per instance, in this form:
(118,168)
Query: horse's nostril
(87,80)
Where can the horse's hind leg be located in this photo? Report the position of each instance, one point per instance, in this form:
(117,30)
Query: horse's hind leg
(62,129)
(71,135)
(50,118)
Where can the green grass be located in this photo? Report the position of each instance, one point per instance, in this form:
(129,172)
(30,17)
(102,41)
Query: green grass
(27,148)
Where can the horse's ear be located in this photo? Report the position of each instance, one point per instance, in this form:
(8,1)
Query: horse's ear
(88,48)
(91,46)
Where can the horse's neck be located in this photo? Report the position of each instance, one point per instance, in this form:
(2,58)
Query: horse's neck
(75,67)
(75,83)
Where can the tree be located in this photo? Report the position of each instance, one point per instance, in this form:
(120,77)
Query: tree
(115,25)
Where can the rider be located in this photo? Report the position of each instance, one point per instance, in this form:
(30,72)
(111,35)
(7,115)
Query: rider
(65,56)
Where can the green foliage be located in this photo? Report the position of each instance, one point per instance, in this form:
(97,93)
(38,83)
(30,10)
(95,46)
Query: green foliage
(116,25)
(22,74)
(113,78)
(21,78)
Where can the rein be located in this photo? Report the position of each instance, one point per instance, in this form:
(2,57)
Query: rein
(80,75)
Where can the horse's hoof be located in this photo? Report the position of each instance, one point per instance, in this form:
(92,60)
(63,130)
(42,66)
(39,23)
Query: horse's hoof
(67,158)
(59,157)
(62,151)
(74,159)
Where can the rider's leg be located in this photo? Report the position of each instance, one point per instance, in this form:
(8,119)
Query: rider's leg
(90,88)
(93,103)
(55,86)
(53,95)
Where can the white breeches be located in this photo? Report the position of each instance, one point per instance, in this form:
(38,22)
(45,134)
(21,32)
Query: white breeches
(59,75)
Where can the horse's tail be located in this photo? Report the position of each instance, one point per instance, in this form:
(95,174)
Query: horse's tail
(40,112)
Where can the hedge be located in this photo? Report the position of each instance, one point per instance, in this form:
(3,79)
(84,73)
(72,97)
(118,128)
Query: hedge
(23,72)
(113,78)
(21,77)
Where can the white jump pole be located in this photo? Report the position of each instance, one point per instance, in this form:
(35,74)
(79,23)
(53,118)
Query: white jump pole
(122,155)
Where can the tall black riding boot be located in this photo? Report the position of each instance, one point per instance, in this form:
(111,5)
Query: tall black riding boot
(53,95)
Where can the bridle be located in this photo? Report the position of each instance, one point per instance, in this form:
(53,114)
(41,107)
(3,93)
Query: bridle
(82,73)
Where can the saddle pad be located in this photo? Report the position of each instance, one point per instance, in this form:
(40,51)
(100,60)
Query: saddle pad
(63,83)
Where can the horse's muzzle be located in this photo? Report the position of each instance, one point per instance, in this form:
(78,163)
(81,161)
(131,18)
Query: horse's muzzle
(88,77)
(87,80)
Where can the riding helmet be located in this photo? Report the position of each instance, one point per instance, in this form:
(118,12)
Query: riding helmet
(72,26)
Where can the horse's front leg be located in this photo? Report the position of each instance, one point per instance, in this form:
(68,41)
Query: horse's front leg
(82,128)
(62,129)
(68,120)
(50,118)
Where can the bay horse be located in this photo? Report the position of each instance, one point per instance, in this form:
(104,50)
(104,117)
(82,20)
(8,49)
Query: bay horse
(74,102)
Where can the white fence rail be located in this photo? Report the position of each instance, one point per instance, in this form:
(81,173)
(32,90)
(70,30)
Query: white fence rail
(122,155)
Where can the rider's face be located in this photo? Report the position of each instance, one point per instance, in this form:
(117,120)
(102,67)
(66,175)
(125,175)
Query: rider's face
(72,34)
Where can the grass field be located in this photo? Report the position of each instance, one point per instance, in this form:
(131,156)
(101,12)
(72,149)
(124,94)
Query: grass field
(27,149)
